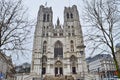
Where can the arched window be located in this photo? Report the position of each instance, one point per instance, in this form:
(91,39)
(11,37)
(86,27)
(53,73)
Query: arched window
(43,34)
(47,34)
(69,34)
(44,17)
(58,49)
(48,17)
(68,27)
(67,15)
(71,15)
(43,27)
(71,45)
(73,32)
(72,26)
(47,27)
(44,47)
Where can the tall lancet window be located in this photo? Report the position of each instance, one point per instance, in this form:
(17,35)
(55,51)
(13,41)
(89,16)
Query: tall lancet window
(44,17)
(58,49)
(71,15)
(48,17)
(67,15)
(44,46)
(71,45)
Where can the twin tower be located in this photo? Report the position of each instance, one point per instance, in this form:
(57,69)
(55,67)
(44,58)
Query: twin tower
(58,50)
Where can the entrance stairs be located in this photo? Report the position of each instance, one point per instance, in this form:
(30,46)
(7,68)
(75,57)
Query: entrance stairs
(58,77)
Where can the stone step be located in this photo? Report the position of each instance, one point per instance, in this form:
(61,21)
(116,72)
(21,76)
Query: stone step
(58,78)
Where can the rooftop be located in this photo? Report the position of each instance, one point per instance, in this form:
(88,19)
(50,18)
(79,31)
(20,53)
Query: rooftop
(99,56)
(117,45)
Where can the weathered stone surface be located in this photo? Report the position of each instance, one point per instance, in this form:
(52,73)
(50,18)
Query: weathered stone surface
(58,45)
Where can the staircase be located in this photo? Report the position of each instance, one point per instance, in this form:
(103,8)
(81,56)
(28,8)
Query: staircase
(58,78)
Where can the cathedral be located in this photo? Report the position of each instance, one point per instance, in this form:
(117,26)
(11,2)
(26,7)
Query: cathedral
(58,50)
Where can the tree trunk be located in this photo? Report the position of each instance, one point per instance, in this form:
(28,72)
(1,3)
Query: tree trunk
(0,35)
(116,65)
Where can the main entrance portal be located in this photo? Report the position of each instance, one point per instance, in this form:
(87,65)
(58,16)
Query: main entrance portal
(58,71)
(58,68)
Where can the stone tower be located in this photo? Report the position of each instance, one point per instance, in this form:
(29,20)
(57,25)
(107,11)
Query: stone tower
(58,50)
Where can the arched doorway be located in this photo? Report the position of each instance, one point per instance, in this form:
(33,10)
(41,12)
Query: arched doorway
(44,64)
(58,50)
(58,68)
(73,64)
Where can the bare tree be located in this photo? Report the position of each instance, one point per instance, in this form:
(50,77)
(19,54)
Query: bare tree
(103,17)
(14,25)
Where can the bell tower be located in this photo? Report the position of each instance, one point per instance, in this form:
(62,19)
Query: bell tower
(43,31)
(74,38)
(72,25)
(71,14)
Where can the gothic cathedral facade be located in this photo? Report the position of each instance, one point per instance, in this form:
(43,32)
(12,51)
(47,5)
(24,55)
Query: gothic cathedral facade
(58,50)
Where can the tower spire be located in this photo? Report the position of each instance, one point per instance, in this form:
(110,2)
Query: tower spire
(45,4)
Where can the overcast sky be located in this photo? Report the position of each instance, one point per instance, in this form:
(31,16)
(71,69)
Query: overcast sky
(58,9)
